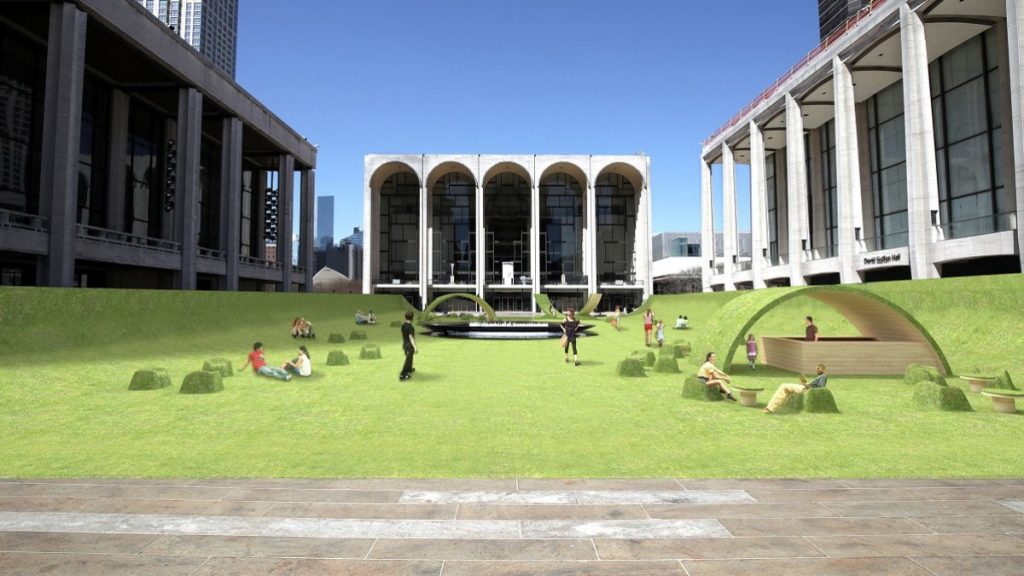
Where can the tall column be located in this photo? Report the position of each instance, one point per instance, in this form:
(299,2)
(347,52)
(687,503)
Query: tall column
(307,185)
(730,236)
(591,240)
(535,239)
(1015,42)
(370,235)
(796,181)
(758,205)
(62,127)
(424,251)
(231,198)
(285,199)
(190,127)
(922,175)
(643,241)
(849,209)
(707,226)
(481,241)
(117,155)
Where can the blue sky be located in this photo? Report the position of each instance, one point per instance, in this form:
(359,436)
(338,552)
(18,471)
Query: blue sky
(526,76)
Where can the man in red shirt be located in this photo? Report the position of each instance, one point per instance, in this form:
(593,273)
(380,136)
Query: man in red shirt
(260,366)
(811,335)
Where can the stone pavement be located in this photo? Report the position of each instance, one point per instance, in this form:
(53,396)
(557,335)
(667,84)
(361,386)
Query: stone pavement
(512,527)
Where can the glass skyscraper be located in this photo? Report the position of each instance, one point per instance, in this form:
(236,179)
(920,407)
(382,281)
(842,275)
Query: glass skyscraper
(210,26)
(324,221)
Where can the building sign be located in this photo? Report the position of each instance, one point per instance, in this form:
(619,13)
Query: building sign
(883,259)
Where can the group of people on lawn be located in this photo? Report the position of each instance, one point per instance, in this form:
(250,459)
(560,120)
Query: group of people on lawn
(712,377)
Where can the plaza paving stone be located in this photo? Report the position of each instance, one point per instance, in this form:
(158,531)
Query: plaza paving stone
(504,527)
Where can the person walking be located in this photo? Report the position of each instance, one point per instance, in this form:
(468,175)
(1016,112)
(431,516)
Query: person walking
(752,351)
(648,326)
(661,333)
(408,346)
(569,327)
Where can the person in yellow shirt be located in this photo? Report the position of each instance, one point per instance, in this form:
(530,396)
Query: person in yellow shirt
(713,377)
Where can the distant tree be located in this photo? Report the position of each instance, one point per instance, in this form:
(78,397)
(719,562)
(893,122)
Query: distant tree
(685,282)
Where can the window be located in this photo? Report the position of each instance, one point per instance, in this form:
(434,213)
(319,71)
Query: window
(830,187)
(616,228)
(22,77)
(92,154)
(772,192)
(888,166)
(561,228)
(209,194)
(144,192)
(399,228)
(507,220)
(454,223)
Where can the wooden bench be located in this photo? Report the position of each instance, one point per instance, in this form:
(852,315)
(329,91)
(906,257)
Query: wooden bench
(748,396)
(978,383)
(1004,401)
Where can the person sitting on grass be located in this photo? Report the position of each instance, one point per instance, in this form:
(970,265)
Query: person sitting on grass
(371,318)
(300,365)
(301,328)
(785,390)
(259,365)
(682,322)
(713,377)
(360,317)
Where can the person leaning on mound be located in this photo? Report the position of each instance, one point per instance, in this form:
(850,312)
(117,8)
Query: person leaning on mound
(785,390)
(408,346)
(713,377)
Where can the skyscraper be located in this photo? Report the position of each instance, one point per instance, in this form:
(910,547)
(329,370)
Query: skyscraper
(833,13)
(324,222)
(210,26)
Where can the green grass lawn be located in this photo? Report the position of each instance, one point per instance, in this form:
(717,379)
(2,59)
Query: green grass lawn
(473,408)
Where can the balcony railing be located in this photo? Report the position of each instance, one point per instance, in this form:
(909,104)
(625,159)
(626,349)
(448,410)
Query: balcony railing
(744,265)
(618,279)
(9,219)
(720,268)
(211,253)
(775,86)
(269,264)
(565,279)
(496,278)
(103,235)
(396,278)
(887,242)
(979,226)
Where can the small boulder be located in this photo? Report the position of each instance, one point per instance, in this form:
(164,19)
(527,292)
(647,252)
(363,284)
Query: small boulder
(202,382)
(630,368)
(369,352)
(336,338)
(219,365)
(358,335)
(151,379)
(695,389)
(337,358)
(666,365)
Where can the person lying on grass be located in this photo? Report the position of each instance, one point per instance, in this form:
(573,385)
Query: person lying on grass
(300,365)
(786,389)
(259,364)
(713,377)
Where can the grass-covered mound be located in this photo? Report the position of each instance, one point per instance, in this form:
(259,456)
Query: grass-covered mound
(630,368)
(934,396)
(337,358)
(369,352)
(819,401)
(695,389)
(1004,381)
(358,335)
(793,404)
(221,365)
(202,382)
(150,379)
(920,373)
(397,323)
(667,365)
(336,338)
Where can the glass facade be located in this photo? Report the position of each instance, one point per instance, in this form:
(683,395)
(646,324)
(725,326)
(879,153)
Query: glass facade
(507,221)
(22,78)
(561,229)
(772,192)
(247,235)
(209,194)
(888,161)
(966,103)
(616,229)
(453,214)
(399,228)
(144,193)
(92,154)
(829,188)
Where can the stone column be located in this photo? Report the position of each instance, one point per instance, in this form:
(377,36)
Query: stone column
(707,225)
(117,191)
(922,175)
(758,205)
(307,185)
(370,235)
(424,252)
(796,182)
(1015,42)
(481,241)
(849,209)
(730,236)
(190,127)
(590,243)
(62,128)
(231,198)
(285,199)
(535,239)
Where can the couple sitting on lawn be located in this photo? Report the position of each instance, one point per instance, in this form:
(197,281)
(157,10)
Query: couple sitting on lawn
(301,328)
(299,366)
(715,378)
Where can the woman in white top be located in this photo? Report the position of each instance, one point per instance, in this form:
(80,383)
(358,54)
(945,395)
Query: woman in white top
(301,364)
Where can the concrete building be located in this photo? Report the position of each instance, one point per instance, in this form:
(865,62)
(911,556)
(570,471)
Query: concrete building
(893,151)
(324,222)
(689,245)
(677,260)
(507,227)
(209,26)
(129,160)
(833,14)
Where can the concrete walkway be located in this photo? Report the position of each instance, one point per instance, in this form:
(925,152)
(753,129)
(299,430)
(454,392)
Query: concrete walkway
(512,527)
